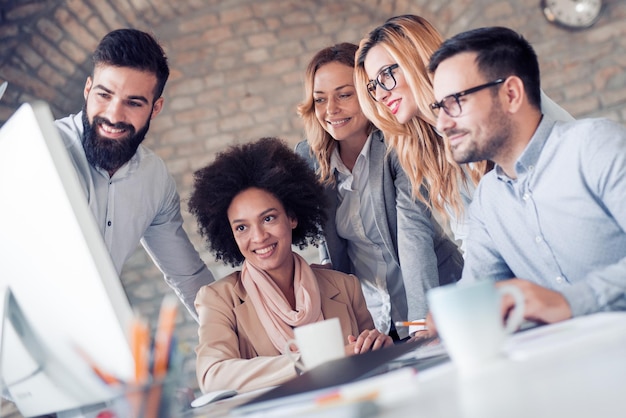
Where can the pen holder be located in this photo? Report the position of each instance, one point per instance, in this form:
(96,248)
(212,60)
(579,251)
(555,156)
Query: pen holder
(160,398)
(165,397)
(156,399)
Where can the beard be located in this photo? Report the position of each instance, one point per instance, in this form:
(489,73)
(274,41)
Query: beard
(494,142)
(110,154)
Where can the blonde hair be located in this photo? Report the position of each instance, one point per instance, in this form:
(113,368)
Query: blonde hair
(423,154)
(321,142)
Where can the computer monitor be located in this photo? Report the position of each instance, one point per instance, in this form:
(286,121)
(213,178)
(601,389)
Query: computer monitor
(54,261)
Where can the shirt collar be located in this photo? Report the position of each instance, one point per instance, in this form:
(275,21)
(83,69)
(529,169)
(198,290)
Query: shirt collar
(337,164)
(529,157)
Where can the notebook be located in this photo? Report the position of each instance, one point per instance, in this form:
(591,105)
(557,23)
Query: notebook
(338,372)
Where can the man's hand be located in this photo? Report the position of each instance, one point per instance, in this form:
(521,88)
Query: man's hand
(540,304)
(366,341)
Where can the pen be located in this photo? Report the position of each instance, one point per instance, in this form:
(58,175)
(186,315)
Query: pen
(421,323)
(106,377)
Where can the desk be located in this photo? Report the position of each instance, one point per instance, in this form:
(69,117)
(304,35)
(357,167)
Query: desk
(576,368)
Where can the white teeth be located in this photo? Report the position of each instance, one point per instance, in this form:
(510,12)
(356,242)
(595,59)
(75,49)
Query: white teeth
(265,250)
(338,122)
(110,129)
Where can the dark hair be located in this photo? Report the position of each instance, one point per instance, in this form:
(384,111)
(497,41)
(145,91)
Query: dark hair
(501,52)
(267,164)
(134,49)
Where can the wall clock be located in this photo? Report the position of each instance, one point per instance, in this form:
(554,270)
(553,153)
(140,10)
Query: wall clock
(573,14)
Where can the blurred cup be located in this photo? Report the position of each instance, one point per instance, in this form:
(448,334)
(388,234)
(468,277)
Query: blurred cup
(317,343)
(469,322)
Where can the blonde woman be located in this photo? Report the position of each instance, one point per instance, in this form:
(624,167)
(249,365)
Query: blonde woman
(395,92)
(375,229)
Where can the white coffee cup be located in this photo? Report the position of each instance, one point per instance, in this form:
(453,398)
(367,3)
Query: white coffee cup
(317,343)
(469,322)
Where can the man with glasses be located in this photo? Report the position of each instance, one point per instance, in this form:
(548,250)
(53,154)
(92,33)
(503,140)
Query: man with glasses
(551,216)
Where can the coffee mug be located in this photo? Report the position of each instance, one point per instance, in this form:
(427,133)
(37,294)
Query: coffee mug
(469,322)
(317,343)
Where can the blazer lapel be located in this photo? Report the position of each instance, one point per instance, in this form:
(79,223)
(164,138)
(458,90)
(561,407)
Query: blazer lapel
(250,324)
(378,178)
(333,309)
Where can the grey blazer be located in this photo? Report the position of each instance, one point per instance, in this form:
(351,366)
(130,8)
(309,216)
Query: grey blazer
(426,256)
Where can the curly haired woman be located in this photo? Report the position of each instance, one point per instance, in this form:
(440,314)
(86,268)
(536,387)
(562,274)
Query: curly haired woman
(252,204)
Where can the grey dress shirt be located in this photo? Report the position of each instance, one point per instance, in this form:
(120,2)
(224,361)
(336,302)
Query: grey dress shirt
(139,204)
(412,237)
(562,222)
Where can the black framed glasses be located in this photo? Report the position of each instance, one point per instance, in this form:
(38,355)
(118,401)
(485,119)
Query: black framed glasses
(451,104)
(384,79)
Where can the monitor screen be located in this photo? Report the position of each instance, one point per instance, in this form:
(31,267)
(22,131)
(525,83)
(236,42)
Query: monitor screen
(54,260)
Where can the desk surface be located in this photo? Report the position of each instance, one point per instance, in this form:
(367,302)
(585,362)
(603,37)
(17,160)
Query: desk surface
(576,368)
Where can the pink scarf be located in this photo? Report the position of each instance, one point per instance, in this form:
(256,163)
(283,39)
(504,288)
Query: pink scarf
(272,307)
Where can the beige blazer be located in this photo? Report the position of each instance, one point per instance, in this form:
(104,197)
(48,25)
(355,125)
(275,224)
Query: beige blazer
(235,352)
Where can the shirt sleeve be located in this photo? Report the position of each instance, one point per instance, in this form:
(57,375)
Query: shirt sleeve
(416,246)
(604,167)
(168,245)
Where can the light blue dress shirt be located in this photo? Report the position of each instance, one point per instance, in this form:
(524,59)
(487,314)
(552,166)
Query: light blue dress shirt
(139,204)
(458,225)
(562,222)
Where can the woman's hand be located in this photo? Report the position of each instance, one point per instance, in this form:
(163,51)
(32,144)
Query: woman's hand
(366,341)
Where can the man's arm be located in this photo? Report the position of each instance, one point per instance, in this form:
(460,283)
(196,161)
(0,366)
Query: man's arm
(603,165)
(169,247)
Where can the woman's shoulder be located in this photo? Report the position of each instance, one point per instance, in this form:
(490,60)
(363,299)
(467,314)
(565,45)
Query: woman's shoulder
(226,285)
(335,278)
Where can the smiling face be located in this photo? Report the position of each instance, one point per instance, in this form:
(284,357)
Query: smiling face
(263,231)
(483,129)
(336,104)
(117,113)
(400,99)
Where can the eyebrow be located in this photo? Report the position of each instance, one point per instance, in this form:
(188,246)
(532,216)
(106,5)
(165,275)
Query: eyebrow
(383,67)
(140,98)
(262,214)
(336,89)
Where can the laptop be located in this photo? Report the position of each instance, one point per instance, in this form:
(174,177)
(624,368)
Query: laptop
(339,372)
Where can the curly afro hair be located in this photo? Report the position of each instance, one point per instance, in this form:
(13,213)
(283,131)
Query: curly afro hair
(267,164)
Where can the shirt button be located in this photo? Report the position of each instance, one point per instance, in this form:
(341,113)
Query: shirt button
(559,279)
(526,196)
(109,223)
(531,167)
(538,239)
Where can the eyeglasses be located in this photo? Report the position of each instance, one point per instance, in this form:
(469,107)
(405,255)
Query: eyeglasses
(451,104)
(384,79)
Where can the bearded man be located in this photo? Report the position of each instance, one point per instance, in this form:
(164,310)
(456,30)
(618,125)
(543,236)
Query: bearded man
(130,192)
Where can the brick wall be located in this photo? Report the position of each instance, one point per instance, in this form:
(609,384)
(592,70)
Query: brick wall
(237,70)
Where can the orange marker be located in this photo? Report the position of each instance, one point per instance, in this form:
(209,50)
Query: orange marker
(164,334)
(140,346)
